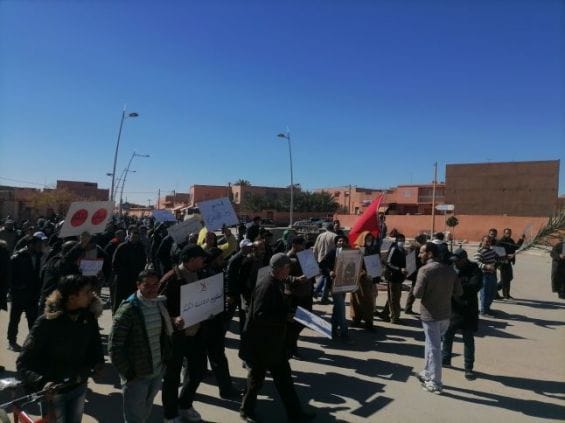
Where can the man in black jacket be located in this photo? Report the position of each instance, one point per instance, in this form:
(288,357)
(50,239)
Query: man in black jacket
(236,277)
(263,343)
(129,260)
(25,287)
(465,311)
(395,274)
(188,342)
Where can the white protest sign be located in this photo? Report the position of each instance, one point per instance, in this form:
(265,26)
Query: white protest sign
(500,251)
(314,322)
(347,269)
(373,265)
(262,272)
(217,213)
(180,231)
(385,245)
(202,299)
(164,216)
(86,216)
(308,263)
(91,267)
(411,263)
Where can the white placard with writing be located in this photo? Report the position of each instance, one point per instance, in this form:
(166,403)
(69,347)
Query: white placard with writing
(262,272)
(385,245)
(91,267)
(411,263)
(202,299)
(373,265)
(164,216)
(500,251)
(314,322)
(180,231)
(308,263)
(217,213)
(86,216)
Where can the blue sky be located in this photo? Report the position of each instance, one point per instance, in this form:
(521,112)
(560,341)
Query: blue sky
(373,92)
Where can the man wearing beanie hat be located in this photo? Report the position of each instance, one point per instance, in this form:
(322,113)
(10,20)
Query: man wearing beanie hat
(263,343)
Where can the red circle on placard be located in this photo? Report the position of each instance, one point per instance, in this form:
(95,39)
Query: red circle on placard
(79,217)
(99,216)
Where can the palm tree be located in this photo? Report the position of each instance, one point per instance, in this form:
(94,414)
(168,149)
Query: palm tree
(242,182)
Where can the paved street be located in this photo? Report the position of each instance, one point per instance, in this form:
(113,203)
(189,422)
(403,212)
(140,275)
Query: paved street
(519,361)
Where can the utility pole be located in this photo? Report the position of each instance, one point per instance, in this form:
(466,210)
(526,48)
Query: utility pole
(434,201)
(158,198)
(349,206)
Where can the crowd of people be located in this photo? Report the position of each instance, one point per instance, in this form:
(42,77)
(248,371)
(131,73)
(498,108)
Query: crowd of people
(150,344)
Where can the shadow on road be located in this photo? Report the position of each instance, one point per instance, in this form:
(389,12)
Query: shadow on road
(546,305)
(531,408)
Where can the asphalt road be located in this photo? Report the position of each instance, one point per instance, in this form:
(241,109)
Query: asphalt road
(520,358)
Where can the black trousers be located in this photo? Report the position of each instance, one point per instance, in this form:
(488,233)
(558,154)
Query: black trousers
(193,348)
(283,382)
(19,306)
(506,276)
(214,338)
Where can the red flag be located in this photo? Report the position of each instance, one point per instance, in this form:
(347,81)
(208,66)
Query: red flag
(366,222)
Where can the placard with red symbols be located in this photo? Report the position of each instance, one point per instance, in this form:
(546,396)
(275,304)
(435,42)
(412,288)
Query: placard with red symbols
(91,216)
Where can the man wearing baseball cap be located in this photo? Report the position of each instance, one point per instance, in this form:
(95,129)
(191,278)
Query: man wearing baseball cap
(263,343)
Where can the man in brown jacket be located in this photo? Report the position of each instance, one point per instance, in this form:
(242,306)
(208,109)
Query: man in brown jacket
(435,284)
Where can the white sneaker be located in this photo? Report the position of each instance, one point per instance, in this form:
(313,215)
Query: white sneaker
(432,387)
(190,414)
(422,376)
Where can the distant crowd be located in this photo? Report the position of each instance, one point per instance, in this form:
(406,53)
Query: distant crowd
(143,268)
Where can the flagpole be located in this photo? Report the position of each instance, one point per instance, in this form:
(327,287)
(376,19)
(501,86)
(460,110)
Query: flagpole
(434,201)
(287,136)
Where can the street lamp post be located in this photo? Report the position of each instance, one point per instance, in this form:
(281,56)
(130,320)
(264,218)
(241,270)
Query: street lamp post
(286,135)
(126,171)
(124,116)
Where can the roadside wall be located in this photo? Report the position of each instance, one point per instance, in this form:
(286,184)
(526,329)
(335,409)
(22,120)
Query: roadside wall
(470,227)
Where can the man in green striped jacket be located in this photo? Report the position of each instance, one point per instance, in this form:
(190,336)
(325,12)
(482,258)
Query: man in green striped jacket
(139,345)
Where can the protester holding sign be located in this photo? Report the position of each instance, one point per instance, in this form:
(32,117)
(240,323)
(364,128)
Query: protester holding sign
(215,331)
(263,343)
(327,265)
(363,300)
(187,342)
(298,291)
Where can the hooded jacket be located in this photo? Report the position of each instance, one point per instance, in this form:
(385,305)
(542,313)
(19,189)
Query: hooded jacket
(61,345)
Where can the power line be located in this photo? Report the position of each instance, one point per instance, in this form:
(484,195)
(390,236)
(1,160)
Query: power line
(23,182)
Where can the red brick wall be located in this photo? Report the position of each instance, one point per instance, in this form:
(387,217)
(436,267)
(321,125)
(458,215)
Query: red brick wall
(470,227)
(512,188)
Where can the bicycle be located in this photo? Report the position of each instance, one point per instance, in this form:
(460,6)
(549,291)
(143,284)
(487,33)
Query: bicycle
(16,406)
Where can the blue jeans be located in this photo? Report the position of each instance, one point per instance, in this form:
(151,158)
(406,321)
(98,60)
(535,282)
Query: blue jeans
(433,330)
(339,323)
(322,287)
(139,395)
(468,346)
(67,407)
(488,291)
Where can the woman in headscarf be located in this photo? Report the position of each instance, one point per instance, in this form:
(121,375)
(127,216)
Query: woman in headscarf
(363,300)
